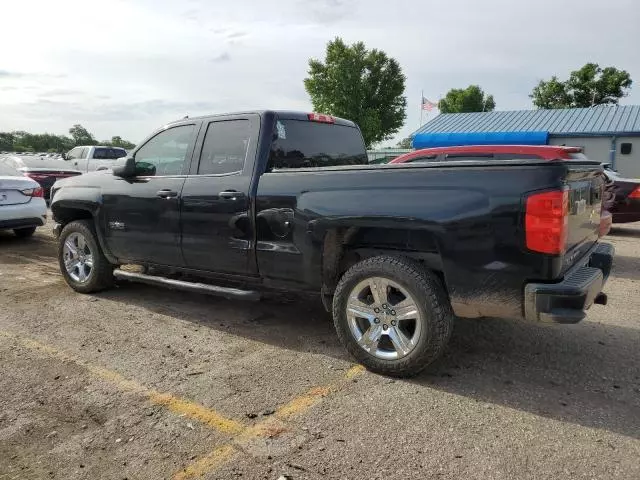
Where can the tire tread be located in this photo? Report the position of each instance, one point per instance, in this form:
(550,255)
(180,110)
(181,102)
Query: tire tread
(434,298)
(103,270)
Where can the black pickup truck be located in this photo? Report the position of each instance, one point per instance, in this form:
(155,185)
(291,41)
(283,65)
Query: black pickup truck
(240,204)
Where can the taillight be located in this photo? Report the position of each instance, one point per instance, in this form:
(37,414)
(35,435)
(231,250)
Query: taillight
(321,117)
(547,221)
(33,192)
(635,193)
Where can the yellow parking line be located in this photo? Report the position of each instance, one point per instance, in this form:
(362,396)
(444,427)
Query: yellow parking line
(295,407)
(207,463)
(189,409)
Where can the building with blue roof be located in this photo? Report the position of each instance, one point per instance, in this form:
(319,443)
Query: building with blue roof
(609,133)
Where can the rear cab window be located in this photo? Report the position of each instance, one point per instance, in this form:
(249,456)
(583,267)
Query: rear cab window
(106,153)
(307,144)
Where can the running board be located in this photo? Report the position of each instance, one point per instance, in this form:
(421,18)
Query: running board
(229,293)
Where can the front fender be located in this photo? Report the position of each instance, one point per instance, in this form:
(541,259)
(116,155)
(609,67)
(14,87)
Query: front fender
(71,203)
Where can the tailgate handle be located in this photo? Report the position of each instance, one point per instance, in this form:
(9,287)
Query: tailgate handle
(231,195)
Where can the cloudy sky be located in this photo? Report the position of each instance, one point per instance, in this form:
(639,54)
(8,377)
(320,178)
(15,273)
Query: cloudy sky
(126,67)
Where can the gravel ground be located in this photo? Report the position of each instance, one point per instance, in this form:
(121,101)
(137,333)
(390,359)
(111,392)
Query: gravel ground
(141,382)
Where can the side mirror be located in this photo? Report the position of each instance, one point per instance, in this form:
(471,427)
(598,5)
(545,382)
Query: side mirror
(64,156)
(145,169)
(125,167)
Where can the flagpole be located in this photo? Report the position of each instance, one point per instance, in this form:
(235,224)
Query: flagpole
(421,109)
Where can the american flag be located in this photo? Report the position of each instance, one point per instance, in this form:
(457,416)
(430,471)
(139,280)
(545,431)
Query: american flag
(428,105)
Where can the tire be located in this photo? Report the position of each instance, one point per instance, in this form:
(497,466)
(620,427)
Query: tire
(100,274)
(24,232)
(421,300)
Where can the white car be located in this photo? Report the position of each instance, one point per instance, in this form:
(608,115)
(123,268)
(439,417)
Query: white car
(22,205)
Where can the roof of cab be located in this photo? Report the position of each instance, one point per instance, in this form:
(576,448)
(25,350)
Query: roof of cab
(282,114)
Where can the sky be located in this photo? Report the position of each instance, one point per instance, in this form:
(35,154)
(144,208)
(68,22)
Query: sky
(127,67)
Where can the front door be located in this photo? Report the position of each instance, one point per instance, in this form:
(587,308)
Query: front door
(217,231)
(141,215)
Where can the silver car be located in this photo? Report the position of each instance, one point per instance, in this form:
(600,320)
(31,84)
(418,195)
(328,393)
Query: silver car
(22,205)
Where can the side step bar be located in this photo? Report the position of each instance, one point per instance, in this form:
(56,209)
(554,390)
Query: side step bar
(229,293)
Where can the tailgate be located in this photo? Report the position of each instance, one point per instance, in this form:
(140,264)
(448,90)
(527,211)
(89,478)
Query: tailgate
(586,192)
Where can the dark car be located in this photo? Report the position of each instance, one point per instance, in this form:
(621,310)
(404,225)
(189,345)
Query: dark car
(238,204)
(44,170)
(626,204)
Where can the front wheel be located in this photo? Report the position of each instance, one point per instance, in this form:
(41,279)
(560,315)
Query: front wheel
(392,315)
(82,263)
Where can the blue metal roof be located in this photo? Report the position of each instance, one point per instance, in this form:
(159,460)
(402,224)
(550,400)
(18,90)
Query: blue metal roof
(600,120)
(429,140)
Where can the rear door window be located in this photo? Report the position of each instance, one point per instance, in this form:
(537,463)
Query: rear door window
(225,147)
(303,144)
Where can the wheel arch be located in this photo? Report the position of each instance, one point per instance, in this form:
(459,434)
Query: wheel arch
(85,205)
(343,247)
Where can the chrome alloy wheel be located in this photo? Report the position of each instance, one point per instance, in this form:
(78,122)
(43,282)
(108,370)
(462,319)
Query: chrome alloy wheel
(384,318)
(78,258)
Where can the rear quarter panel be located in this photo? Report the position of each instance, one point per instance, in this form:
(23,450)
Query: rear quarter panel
(474,214)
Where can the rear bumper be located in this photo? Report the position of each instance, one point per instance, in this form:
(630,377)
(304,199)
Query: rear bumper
(566,301)
(23,215)
(21,223)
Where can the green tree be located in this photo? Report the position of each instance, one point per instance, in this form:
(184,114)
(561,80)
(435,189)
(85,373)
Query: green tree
(6,141)
(81,136)
(588,86)
(404,143)
(119,142)
(363,85)
(470,99)
(551,94)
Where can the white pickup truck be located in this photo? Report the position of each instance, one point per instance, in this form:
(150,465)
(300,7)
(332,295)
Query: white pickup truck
(90,158)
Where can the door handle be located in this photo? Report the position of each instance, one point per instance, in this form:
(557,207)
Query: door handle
(166,193)
(231,195)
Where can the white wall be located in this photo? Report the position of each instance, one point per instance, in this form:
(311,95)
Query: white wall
(628,165)
(596,148)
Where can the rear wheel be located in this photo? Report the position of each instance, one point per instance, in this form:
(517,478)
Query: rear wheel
(392,315)
(24,232)
(82,263)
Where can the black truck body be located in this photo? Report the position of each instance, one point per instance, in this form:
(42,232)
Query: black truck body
(287,201)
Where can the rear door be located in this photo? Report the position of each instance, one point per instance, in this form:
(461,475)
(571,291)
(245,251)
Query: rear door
(217,231)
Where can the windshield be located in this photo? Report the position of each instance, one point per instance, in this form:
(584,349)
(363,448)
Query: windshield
(303,144)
